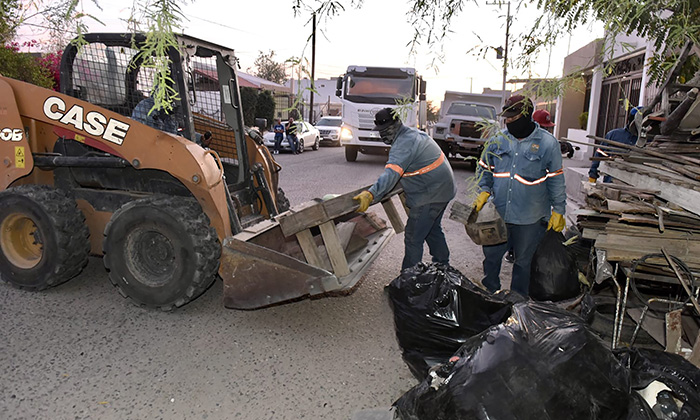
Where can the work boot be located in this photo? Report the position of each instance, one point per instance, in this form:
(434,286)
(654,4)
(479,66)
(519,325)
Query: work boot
(509,256)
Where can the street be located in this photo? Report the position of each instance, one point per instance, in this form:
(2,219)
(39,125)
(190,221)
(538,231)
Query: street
(81,351)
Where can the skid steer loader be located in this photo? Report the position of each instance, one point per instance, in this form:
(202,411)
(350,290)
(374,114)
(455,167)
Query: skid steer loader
(80,176)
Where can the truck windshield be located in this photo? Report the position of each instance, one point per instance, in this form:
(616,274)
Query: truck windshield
(378,90)
(473,110)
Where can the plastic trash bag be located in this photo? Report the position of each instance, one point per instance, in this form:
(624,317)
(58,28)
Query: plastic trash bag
(678,374)
(436,309)
(553,273)
(541,364)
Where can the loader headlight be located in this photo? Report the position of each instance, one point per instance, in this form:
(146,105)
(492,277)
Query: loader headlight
(345,134)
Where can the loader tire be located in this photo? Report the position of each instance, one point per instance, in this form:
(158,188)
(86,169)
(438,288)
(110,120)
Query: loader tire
(43,237)
(161,252)
(282,201)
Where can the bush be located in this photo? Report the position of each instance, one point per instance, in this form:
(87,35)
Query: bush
(25,67)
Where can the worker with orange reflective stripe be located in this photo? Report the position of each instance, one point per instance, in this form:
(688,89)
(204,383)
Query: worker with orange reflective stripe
(426,177)
(521,170)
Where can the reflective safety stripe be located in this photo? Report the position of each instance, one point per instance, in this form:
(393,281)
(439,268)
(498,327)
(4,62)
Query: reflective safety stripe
(485,166)
(428,168)
(395,168)
(599,150)
(525,181)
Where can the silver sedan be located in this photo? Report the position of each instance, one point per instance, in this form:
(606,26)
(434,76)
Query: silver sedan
(307,134)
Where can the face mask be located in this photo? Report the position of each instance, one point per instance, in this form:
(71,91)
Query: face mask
(388,134)
(521,128)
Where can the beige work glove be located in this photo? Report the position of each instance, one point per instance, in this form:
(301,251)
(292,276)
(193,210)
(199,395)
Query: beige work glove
(556,222)
(481,200)
(365,198)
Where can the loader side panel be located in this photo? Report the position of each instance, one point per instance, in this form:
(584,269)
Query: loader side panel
(15,155)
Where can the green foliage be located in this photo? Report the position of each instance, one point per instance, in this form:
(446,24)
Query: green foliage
(583,120)
(265,107)
(10,18)
(162,17)
(432,111)
(24,67)
(269,69)
(668,25)
(249,102)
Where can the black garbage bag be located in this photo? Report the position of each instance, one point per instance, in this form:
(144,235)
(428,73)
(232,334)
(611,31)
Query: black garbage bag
(553,273)
(678,374)
(436,309)
(541,364)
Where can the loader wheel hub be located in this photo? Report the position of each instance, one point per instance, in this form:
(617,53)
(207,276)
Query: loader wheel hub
(151,257)
(21,241)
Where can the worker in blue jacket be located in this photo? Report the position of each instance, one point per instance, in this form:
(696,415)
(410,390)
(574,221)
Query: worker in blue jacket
(426,177)
(626,135)
(521,169)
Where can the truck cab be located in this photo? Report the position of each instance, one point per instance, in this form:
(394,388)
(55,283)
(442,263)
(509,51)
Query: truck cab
(364,91)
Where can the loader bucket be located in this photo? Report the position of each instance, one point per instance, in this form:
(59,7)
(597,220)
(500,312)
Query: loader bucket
(317,248)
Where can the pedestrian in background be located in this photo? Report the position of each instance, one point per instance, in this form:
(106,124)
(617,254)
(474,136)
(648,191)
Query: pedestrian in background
(278,129)
(521,169)
(620,135)
(292,136)
(427,180)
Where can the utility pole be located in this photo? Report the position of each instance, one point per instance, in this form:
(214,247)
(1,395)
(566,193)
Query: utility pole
(505,49)
(313,69)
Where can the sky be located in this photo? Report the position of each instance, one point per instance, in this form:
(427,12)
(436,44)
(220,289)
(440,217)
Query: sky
(376,34)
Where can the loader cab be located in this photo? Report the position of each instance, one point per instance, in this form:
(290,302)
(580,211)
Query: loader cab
(111,71)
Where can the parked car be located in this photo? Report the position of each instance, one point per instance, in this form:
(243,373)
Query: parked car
(329,128)
(306,133)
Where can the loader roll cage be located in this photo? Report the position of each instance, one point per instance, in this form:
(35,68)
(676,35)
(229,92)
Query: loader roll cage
(110,71)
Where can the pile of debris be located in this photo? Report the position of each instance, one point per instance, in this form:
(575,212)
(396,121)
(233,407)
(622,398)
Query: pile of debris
(479,355)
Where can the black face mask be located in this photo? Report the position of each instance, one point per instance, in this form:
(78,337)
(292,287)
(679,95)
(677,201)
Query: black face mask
(521,128)
(388,134)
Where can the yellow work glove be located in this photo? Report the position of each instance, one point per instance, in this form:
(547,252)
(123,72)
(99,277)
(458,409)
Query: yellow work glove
(556,222)
(481,200)
(365,198)
(591,180)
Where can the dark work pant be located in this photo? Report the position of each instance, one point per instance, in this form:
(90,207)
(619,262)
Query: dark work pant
(425,225)
(278,141)
(293,142)
(524,240)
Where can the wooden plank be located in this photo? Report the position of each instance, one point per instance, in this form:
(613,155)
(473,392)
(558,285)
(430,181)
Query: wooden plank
(317,212)
(624,248)
(687,198)
(334,249)
(344,204)
(393,215)
(310,250)
(674,331)
(302,217)
(639,207)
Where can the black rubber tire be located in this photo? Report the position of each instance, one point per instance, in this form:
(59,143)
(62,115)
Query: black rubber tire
(444,147)
(317,144)
(301,146)
(51,220)
(282,201)
(161,252)
(350,153)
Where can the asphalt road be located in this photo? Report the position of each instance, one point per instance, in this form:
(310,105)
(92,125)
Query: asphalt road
(80,351)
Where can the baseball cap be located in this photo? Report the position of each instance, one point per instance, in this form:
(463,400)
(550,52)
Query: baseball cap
(516,105)
(384,118)
(543,118)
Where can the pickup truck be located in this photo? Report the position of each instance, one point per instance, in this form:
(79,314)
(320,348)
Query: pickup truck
(459,132)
